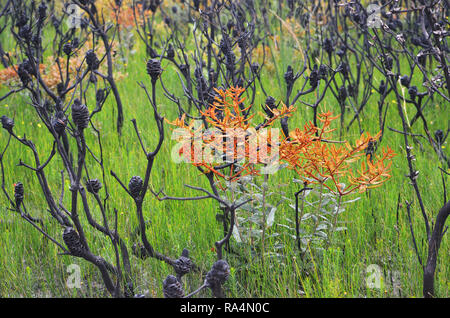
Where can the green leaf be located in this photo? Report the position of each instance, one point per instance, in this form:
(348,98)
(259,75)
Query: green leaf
(271,217)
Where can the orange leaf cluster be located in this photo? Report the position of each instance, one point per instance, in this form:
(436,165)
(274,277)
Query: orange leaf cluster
(51,72)
(334,165)
(231,136)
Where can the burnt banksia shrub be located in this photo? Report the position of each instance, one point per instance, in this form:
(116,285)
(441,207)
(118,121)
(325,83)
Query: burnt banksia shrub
(135,186)
(80,114)
(93,186)
(172,287)
(7,123)
(72,240)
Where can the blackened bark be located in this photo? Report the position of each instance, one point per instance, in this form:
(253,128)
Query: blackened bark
(433,249)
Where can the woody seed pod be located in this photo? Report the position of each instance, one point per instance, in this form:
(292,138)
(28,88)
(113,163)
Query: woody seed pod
(18,193)
(92,60)
(218,274)
(183,264)
(439,135)
(72,240)
(7,123)
(135,186)
(59,122)
(404,80)
(413,92)
(172,287)
(269,106)
(67,48)
(80,114)
(93,185)
(154,68)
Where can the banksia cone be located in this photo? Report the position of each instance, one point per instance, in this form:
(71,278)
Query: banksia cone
(343,68)
(42,11)
(170,52)
(23,74)
(154,68)
(22,19)
(72,240)
(289,76)
(388,63)
(254,67)
(323,71)
(75,42)
(25,32)
(100,96)
(67,48)
(183,264)
(439,135)
(314,77)
(328,46)
(59,122)
(93,185)
(218,274)
(172,287)
(404,80)
(135,186)
(92,60)
(184,69)
(80,114)
(18,193)
(413,92)
(269,106)
(342,94)
(7,123)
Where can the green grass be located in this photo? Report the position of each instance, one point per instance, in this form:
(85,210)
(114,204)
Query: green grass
(31,267)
